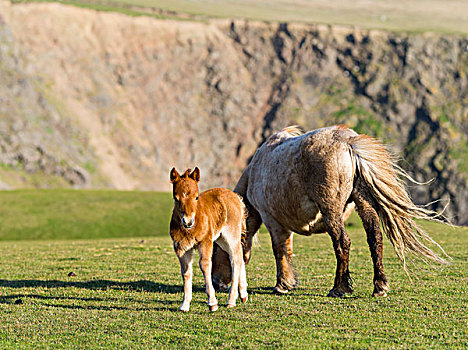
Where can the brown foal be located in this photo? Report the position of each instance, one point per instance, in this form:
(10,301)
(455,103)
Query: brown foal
(198,220)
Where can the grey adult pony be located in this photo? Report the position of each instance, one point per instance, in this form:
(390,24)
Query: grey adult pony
(307,183)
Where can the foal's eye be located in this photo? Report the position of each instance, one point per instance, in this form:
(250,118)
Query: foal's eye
(196,198)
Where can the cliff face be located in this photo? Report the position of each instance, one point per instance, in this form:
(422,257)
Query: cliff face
(104,100)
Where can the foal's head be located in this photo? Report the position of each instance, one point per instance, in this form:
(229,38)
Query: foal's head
(185,193)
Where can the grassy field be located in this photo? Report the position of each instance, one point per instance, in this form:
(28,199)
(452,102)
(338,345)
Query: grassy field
(446,16)
(126,291)
(70,214)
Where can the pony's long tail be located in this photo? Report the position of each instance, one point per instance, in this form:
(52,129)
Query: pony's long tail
(378,170)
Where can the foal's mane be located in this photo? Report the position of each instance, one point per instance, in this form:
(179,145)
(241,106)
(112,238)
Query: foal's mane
(187,173)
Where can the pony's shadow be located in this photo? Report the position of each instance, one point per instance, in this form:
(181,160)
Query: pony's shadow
(315,293)
(140,286)
(261,290)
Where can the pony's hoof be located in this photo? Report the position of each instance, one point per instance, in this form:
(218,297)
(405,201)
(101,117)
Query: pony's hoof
(279,291)
(213,308)
(244,300)
(380,294)
(184,309)
(230,306)
(335,293)
(381,288)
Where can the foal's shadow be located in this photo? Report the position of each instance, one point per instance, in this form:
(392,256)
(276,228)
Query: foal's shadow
(140,286)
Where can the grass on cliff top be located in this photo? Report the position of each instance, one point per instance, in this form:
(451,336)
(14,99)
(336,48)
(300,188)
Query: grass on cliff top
(445,16)
(126,291)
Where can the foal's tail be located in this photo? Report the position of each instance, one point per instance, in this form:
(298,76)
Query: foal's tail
(378,170)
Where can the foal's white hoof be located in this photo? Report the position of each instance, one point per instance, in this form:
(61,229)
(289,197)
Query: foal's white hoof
(184,309)
(244,299)
(213,308)
(230,306)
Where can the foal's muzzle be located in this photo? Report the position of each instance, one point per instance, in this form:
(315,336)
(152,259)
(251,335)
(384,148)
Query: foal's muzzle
(187,222)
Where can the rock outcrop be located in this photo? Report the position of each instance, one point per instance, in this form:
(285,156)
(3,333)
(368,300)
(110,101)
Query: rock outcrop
(92,99)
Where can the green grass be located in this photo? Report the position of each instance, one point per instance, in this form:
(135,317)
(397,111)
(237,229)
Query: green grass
(126,291)
(103,6)
(446,16)
(72,214)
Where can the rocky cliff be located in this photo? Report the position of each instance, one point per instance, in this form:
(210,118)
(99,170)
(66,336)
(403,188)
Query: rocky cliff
(90,99)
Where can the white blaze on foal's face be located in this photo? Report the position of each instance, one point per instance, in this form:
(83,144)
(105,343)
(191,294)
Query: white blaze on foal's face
(185,193)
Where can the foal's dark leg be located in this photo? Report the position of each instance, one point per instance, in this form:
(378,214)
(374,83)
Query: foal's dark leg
(281,240)
(341,245)
(370,220)
(254,221)
(221,268)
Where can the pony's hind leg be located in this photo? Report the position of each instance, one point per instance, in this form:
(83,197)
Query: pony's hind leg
(206,251)
(341,245)
(370,220)
(281,240)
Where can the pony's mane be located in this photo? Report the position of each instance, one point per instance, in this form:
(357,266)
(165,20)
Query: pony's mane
(286,133)
(294,130)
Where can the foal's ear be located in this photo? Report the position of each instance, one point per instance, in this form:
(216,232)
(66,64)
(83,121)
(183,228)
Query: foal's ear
(195,174)
(174,175)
